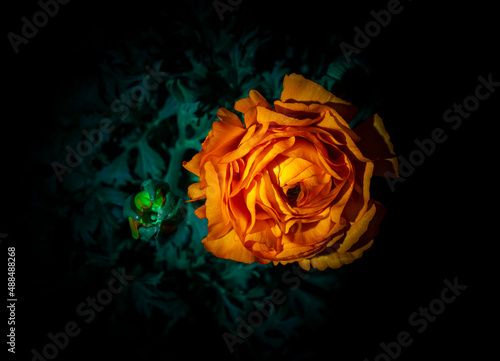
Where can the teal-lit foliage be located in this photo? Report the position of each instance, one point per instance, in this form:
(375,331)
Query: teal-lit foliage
(177,283)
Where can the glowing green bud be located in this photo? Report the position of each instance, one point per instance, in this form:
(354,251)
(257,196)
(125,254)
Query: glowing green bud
(154,212)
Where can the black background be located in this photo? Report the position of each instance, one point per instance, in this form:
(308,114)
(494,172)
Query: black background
(439,221)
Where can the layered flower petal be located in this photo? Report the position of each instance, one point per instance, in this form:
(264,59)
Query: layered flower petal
(375,144)
(293,184)
(229,247)
(297,89)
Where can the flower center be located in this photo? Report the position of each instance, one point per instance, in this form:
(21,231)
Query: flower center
(150,218)
(293,193)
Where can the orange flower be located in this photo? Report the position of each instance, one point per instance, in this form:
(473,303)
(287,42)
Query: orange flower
(294,184)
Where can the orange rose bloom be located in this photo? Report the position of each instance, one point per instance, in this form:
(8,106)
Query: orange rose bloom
(294,184)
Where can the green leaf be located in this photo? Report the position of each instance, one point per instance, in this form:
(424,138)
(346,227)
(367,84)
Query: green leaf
(169,109)
(117,173)
(200,70)
(112,195)
(339,67)
(149,163)
(180,91)
(82,229)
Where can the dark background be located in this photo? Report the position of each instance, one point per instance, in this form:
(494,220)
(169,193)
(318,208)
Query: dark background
(439,220)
